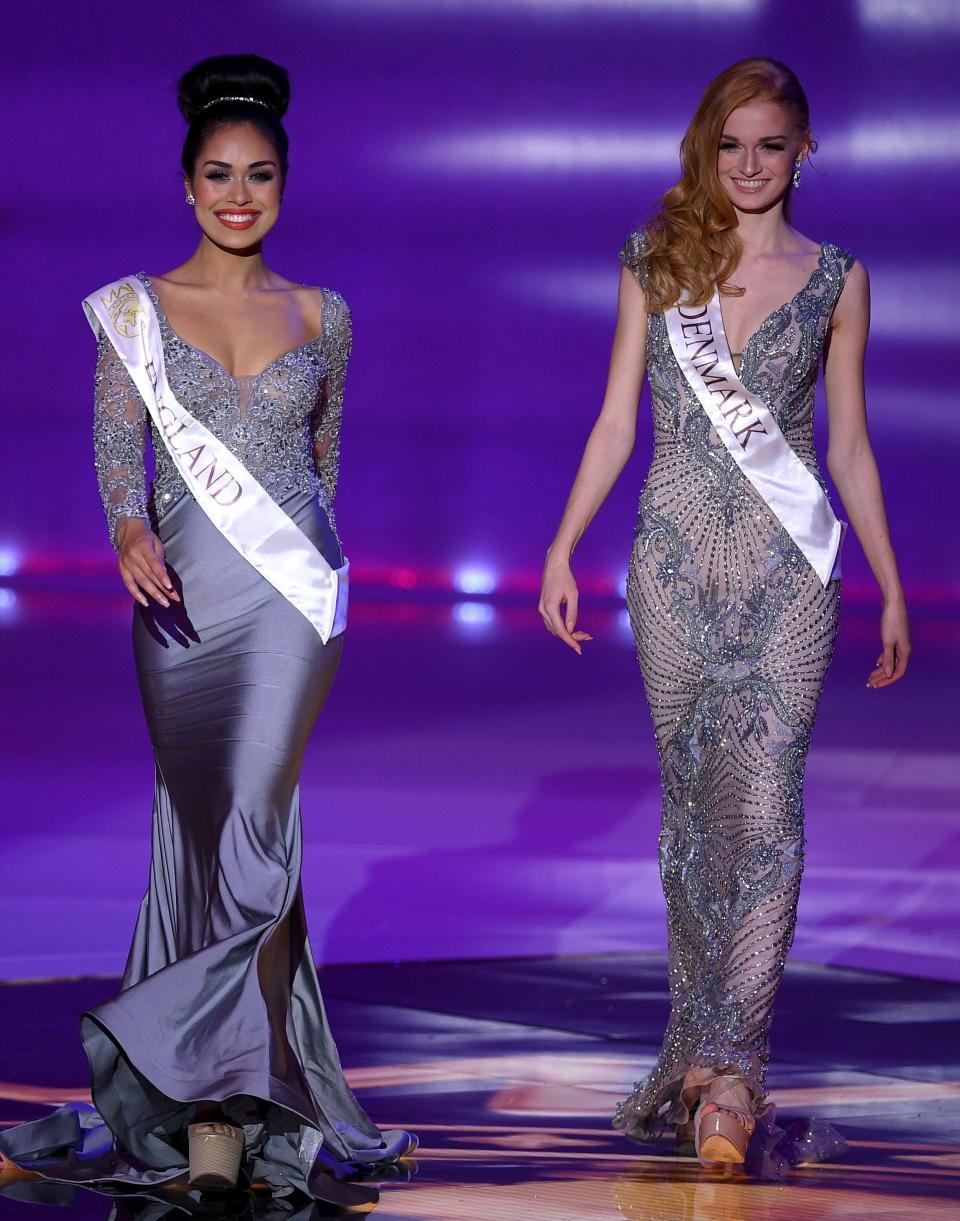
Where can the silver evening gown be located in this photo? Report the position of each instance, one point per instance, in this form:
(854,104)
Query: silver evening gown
(734,633)
(220,998)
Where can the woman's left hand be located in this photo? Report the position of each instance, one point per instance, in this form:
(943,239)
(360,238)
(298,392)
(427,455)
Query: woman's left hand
(895,635)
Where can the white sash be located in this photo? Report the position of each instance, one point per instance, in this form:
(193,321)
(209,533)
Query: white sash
(244,513)
(747,428)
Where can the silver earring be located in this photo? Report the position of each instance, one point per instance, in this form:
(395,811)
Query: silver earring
(190,200)
(796,171)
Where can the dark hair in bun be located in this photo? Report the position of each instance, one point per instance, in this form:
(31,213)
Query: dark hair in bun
(228,89)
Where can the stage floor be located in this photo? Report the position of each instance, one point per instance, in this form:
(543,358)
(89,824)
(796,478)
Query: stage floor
(509,1070)
(472,790)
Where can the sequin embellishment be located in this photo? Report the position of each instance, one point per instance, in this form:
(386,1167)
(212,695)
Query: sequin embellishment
(734,633)
(283,424)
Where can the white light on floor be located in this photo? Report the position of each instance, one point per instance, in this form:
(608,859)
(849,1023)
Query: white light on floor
(910,15)
(475,581)
(9,561)
(473,612)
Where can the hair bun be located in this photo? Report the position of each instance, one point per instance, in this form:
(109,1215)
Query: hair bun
(233,76)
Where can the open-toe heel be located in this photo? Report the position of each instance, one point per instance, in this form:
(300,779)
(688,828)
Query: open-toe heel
(722,1134)
(215,1151)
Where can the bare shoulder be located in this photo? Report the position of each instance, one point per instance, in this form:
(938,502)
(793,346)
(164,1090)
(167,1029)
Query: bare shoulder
(799,244)
(858,279)
(311,302)
(853,304)
(177,278)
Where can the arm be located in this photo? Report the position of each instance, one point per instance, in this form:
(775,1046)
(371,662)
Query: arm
(338,340)
(608,447)
(853,467)
(119,422)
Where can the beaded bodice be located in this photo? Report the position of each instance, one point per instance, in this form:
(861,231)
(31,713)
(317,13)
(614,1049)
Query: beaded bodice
(693,481)
(283,424)
(779,363)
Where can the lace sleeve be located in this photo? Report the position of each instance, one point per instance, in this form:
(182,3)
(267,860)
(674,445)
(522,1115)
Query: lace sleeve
(118,440)
(337,341)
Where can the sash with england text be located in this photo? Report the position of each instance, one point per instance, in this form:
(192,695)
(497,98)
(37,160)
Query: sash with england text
(240,508)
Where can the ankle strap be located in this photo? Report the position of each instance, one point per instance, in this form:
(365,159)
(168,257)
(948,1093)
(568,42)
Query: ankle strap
(730,1093)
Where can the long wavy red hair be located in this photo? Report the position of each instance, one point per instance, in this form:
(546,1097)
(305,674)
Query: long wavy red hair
(693,242)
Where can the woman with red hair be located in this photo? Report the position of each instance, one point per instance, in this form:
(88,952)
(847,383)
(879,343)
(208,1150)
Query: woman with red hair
(733,587)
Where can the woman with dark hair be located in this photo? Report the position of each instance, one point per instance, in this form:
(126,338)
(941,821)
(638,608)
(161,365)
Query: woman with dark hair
(733,587)
(217,1054)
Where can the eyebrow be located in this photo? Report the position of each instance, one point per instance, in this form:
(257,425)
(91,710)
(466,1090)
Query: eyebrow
(252,166)
(725,136)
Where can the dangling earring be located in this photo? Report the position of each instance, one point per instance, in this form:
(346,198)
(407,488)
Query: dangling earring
(190,200)
(796,171)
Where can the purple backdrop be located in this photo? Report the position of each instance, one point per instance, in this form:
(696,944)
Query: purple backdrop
(464,171)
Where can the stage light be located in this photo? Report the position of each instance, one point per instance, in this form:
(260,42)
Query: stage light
(916,139)
(9,561)
(910,15)
(567,150)
(473,612)
(915,302)
(662,9)
(475,581)
(548,150)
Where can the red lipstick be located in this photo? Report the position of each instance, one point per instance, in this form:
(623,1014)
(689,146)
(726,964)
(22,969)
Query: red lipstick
(237,218)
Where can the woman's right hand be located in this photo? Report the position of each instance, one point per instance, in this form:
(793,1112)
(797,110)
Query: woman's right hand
(142,569)
(559,589)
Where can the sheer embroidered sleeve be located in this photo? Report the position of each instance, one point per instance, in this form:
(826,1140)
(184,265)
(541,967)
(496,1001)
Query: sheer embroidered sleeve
(337,342)
(118,440)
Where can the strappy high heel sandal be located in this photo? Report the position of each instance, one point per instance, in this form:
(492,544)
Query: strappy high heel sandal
(723,1133)
(215,1151)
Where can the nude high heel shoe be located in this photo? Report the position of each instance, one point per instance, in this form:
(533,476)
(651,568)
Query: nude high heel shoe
(724,1123)
(215,1151)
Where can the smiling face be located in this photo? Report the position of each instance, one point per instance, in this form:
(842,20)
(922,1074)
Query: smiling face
(759,146)
(237,186)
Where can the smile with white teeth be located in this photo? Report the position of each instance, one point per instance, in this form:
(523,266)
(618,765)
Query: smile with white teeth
(238,217)
(751,184)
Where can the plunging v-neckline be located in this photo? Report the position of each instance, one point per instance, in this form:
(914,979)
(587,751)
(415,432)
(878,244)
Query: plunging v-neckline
(773,313)
(244,378)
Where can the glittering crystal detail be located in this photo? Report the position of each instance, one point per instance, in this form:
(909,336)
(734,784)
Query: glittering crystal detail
(734,633)
(283,424)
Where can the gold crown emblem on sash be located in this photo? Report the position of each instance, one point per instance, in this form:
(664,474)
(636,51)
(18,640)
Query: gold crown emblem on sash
(124,309)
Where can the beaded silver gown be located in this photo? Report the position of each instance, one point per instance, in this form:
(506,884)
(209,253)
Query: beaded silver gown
(734,633)
(220,998)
